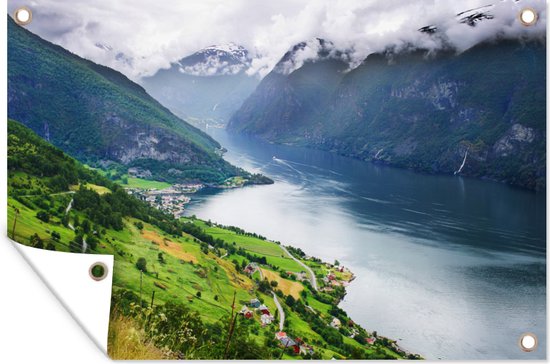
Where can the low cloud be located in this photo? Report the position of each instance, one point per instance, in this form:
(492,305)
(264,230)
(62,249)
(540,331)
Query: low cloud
(139,37)
(212,66)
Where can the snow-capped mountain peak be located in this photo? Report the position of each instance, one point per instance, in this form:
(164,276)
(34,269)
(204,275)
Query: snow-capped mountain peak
(216,60)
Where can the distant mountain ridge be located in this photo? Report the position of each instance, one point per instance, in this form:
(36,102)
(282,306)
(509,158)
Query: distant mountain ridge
(207,86)
(480,113)
(97,114)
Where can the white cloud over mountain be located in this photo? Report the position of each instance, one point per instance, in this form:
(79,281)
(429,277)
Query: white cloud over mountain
(145,36)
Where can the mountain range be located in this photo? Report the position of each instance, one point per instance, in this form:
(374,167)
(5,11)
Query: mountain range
(99,116)
(207,86)
(478,113)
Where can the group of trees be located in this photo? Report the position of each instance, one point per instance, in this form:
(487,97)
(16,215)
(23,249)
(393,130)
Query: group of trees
(37,242)
(238,230)
(28,153)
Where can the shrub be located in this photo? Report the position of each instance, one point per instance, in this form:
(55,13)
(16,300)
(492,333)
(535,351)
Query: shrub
(43,215)
(141,265)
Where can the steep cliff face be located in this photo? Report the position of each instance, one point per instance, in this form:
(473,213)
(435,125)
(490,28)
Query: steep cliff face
(96,114)
(480,113)
(288,96)
(290,100)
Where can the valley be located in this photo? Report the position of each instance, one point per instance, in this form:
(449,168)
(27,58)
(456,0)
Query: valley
(298,192)
(162,264)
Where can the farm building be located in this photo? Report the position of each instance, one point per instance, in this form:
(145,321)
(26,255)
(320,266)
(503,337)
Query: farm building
(246,312)
(255,303)
(264,310)
(304,348)
(371,340)
(286,342)
(266,319)
(302,276)
(251,268)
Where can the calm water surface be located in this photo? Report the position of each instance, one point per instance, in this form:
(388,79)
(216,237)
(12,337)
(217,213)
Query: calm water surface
(452,268)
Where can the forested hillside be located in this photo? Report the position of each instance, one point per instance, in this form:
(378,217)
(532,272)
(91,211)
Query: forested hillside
(97,115)
(480,113)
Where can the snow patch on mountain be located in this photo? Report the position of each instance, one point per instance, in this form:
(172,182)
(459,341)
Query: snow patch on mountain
(228,59)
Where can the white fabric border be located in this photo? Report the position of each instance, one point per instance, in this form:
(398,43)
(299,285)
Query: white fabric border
(67,276)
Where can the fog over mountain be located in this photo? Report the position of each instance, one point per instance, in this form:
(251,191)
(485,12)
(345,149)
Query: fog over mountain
(139,37)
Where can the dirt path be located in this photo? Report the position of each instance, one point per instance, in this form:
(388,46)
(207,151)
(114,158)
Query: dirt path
(312,279)
(261,274)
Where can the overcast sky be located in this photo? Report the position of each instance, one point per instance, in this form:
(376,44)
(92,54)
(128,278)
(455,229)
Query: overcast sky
(151,34)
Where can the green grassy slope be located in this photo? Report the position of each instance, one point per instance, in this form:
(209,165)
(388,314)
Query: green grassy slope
(194,268)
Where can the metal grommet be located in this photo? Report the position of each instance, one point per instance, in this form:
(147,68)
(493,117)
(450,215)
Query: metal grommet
(528,342)
(528,16)
(22,15)
(98,271)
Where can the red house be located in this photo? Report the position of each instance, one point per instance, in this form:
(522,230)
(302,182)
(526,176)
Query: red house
(264,310)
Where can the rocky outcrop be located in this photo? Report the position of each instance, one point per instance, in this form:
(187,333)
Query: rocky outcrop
(513,140)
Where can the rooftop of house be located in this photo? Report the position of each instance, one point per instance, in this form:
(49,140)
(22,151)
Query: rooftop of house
(287,342)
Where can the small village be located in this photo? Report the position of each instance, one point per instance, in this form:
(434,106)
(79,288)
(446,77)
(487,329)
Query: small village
(171,200)
(336,276)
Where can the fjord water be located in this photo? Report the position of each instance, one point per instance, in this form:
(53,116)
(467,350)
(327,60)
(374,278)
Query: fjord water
(452,268)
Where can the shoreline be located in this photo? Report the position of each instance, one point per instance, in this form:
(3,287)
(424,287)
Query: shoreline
(344,283)
(398,347)
(345,279)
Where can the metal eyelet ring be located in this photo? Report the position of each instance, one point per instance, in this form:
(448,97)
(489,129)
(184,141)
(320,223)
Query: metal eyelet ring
(528,16)
(98,271)
(528,342)
(22,15)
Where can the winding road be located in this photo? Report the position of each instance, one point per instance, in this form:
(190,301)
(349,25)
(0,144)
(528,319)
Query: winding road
(281,312)
(69,207)
(308,269)
(67,210)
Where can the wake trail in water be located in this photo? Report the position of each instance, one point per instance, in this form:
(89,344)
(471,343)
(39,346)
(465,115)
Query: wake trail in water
(316,168)
(375,200)
(287,164)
